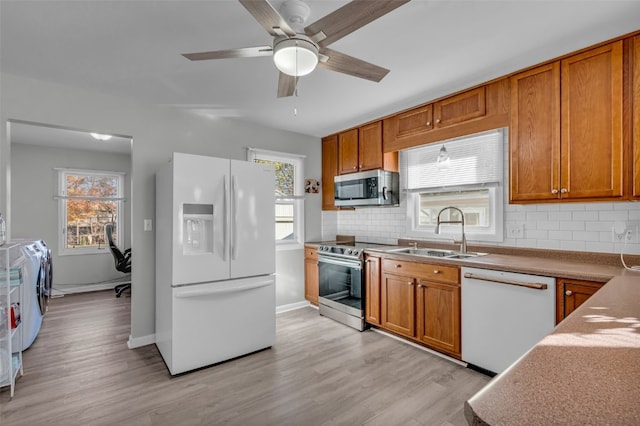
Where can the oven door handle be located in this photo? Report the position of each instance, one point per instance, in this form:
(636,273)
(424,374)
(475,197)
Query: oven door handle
(332,261)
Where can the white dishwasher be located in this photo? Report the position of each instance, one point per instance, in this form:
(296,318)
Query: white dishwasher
(504,314)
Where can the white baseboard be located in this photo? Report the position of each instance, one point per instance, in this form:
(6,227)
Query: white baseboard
(292,306)
(137,342)
(70,289)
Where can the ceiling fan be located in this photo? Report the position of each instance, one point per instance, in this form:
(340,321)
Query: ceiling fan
(297,49)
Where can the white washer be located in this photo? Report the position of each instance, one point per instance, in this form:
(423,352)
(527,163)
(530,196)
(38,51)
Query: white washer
(33,282)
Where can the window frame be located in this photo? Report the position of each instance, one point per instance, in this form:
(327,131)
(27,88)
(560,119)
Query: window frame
(297,200)
(493,233)
(62,198)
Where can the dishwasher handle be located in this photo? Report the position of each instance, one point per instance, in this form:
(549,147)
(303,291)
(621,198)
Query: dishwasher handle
(535,286)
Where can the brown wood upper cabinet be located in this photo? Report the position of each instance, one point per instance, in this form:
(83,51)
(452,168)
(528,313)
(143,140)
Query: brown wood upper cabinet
(635,96)
(566,128)
(360,149)
(329,170)
(452,110)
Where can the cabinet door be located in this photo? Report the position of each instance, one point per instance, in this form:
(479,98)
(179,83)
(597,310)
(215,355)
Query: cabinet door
(370,146)
(348,151)
(534,147)
(329,170)
(372,292)
(438,315)
(572,293)
(418,120)
(459,108)
(398,304)
(591,132)
(311,280)
(635,63)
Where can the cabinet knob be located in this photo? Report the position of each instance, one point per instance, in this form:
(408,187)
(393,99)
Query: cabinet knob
(564,191)
(410,283)
(436,271)
(355,167)
(428,123)
(420,286)
(398,265)
(568,292)
(438,121)
(554,191)
(360,165)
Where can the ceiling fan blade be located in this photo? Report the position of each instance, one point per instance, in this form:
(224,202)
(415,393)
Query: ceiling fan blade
(286,85)
(353,66)
(268,17)
(349,18)
(243,52)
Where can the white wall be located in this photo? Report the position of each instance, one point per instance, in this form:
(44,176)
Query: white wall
(33,186)
(558,226)
(156,132)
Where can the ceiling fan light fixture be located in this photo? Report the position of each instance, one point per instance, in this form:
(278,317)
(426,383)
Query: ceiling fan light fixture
(295,56)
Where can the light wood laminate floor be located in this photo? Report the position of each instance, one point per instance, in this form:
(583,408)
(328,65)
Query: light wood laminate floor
(80,372)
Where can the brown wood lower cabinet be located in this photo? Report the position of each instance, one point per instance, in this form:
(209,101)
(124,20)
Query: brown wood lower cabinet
(372,290)
(398,304)
(421,301)
(438,315)
(311,273)
(572,293)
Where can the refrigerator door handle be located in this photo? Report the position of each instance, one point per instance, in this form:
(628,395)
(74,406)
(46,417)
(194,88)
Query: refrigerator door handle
(187,294)
(225,225)
(234,218)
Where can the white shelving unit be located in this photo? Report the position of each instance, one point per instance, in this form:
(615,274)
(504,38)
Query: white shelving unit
(11,279)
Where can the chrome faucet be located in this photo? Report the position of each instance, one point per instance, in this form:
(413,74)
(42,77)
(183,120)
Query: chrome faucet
(463,243)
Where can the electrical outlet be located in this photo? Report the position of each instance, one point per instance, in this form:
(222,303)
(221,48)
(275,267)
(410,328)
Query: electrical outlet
(515,230)
(621,233)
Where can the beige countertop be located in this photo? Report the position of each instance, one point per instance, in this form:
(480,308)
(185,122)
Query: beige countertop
(559,267)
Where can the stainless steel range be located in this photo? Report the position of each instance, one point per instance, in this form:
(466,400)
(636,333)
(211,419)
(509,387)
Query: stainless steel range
(341,283)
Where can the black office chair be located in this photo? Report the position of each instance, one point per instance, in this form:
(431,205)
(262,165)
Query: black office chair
(123,260)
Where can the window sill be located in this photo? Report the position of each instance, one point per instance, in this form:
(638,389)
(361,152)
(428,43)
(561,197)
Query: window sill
(289,246)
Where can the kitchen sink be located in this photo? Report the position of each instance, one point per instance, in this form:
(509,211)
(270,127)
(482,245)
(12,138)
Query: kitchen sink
(429,252)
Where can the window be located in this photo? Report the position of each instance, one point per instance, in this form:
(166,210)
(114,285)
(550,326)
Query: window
(88,200)
(289,195)
(465,173)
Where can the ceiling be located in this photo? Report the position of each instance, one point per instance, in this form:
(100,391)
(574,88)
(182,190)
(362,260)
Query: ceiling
(432,47)
(59,137)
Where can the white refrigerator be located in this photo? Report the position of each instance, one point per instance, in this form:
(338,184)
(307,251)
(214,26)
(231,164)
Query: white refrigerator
(215,260)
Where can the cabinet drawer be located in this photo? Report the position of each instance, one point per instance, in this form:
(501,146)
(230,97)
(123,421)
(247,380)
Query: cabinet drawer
(311,252)
(448,274)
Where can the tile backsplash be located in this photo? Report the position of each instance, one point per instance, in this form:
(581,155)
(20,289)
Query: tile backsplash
(559,226)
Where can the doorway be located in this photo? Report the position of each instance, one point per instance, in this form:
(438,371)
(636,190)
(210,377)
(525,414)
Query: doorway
(44,160)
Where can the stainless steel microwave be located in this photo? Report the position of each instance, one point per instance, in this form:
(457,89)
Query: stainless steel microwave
(370,188)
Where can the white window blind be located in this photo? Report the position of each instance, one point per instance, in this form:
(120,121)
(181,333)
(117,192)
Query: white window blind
(474,160)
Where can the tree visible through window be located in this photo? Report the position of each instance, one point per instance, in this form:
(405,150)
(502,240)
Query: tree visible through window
(88,201)
(285,178)
(288,194)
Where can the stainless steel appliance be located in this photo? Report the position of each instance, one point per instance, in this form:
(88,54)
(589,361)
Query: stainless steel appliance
(341,283)
(370,188)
